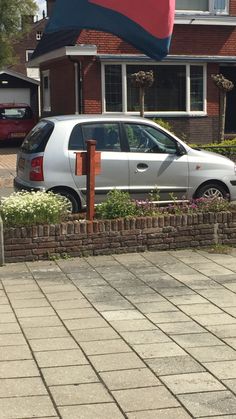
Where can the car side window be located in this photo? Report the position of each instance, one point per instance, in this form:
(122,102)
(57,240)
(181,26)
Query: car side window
(147,139)
(76,139)
(106,135)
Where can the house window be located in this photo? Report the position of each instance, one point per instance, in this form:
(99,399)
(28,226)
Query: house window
(28,54)
(46,91)
(113,82)
(39,35)
(177,89)
(203,6)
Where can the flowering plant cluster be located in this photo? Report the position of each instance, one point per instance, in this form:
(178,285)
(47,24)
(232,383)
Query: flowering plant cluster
(29,208)
(119,204)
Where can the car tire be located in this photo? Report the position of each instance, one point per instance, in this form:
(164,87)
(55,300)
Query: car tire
(212,190)
(75,206)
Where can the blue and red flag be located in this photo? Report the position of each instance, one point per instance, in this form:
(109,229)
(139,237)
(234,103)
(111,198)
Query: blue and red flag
(145,24)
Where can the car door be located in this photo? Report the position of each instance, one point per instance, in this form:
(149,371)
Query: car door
(114,161)
(156,162)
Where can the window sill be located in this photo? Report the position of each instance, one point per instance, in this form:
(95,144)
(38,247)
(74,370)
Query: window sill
(205,19)
(159,114)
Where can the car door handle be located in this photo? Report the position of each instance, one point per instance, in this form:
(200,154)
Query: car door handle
(141,167)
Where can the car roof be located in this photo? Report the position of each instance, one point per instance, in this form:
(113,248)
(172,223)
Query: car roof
(95,117)
(13,105)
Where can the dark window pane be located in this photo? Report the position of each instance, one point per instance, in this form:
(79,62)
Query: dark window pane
(196,78)
(76,139)
(113,83)
(168,92)
(106,135)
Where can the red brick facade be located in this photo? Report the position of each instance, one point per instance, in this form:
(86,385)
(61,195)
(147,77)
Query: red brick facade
(189,40)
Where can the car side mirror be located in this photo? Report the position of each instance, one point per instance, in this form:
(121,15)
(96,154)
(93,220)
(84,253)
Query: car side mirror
(180,150)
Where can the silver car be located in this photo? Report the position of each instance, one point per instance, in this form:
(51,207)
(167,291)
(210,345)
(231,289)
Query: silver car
(137,156)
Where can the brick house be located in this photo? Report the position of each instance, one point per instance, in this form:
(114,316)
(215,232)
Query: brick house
(89,73)
(18,83)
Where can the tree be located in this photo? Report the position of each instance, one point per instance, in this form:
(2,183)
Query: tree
(224,85)
(142,80)
(12,14)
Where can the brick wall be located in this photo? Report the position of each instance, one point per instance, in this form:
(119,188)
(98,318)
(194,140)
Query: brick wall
(81,238)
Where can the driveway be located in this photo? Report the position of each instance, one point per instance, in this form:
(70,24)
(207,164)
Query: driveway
(7,169)
(135,336)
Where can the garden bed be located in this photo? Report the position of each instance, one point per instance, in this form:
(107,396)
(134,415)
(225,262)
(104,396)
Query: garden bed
(103,237)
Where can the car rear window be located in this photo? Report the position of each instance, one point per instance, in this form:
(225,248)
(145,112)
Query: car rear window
(20,112)
(36,140)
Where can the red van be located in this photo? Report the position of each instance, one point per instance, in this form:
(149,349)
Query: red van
(16,120)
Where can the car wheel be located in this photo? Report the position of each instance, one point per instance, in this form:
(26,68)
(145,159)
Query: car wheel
(74,204)
(212,190)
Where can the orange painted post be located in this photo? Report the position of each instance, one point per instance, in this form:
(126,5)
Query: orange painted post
(91,147)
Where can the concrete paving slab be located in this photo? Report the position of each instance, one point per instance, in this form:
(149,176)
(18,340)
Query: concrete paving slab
(165,336)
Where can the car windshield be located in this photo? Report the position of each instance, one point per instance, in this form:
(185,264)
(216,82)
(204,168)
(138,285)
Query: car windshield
(21,112)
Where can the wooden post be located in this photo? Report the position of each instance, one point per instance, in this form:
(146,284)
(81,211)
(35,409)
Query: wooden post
(91,147)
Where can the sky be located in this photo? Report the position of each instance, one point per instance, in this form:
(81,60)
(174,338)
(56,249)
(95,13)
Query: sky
(42,6)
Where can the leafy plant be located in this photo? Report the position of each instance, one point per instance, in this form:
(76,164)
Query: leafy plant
(29,208)
(164,124)
(118,204)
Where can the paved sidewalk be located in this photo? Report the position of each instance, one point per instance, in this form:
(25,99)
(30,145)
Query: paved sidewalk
(138,336)
(7,170)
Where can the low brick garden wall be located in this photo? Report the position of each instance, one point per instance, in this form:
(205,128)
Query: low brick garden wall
(82,238)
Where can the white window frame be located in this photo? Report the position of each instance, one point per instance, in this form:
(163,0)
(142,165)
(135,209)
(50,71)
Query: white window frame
(185,113)
(27,52)
(46,94)
(211,9)
(39,35)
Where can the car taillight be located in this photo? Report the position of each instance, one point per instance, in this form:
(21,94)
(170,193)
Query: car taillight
(36,172)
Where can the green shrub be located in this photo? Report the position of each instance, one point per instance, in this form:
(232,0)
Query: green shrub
(118,204)
(29,208)
(164,124)
(227,147)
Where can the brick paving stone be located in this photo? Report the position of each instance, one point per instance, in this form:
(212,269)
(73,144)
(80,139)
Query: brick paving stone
(36,302)
(76,374)
(192,383)
(60,358)
(193,340)
(45,332)
(5,309)
(132,325)
(145,398)
(12,339)
(121,361)
(222,369)
(174,413)
(69,304)
(34,312)
(212,403)
(122,315)
(21,387)
(91,411)
(7,318)
(77,313)
(13,353)
(20,368)
(180,328)
(155,307)
(168,317)
(52,344)
(122,304)
(89,335)
(44,321)
(9,328)
(214,319)
(87,323)
(105,347)
(159,350)
(213,353)
(223,331)
(174,365)
(80,394)
(195,309)
(25,407)
(134,378)
(145,336)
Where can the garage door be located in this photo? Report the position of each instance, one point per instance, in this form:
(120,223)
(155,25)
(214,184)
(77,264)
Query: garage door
(15,95)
